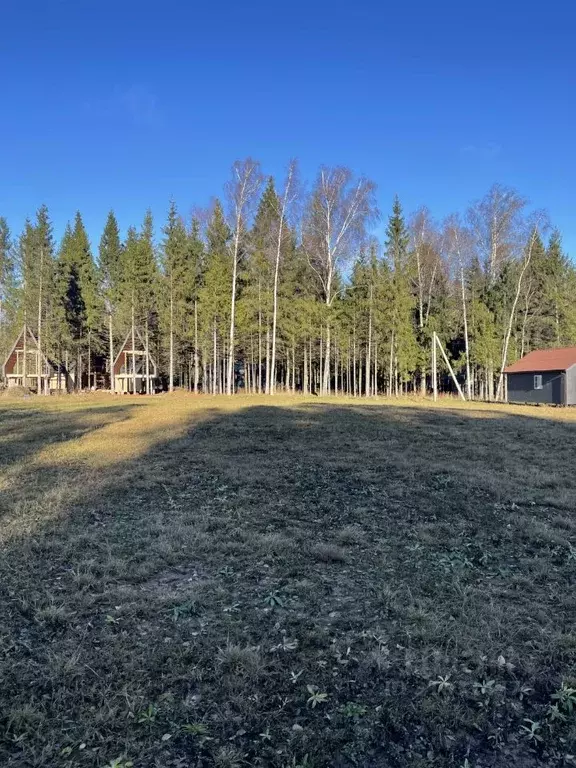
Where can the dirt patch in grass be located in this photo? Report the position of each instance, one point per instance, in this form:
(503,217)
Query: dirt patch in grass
(231,582)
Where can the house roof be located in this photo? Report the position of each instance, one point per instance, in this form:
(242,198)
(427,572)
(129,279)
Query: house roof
(545,360)
(29,335)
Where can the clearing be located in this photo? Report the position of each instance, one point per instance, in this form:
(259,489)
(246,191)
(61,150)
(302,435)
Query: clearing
(287,582)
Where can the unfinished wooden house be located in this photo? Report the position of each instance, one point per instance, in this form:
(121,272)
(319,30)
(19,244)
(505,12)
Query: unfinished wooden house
(134,371)
(27,366)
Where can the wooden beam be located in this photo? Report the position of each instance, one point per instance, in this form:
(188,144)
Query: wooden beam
(450,368)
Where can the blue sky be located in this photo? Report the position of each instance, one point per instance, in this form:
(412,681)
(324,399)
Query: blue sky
(126,104)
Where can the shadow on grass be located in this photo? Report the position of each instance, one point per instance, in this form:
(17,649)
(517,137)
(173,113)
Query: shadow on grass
(316,585)
(24,430)
(27,431)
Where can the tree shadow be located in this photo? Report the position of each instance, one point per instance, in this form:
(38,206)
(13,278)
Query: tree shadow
(24,429)
(187,605)
(27,431)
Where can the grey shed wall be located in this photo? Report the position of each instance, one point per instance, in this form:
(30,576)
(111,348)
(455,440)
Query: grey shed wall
(521,387)
(571,386)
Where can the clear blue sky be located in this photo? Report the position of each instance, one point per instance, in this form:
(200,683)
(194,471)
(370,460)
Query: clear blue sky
(126,104)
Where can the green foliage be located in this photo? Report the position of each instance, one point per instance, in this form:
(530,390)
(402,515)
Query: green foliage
(110,260)
(7,288)
(139,270)
(404,344)
(215,290)
(380,302)
(79,289)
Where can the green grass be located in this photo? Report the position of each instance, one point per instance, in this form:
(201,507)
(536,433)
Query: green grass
(286,582)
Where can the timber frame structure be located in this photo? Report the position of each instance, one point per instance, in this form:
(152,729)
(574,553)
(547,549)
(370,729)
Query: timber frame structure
(27,366)
(133,366)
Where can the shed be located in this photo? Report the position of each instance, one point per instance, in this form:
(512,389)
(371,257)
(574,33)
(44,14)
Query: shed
(131,365)
(544,376)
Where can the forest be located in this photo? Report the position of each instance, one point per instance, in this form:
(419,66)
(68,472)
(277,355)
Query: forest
(279,285)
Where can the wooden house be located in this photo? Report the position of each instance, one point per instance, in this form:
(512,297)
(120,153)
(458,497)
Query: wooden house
(27,366)
(543,376)
(134,371)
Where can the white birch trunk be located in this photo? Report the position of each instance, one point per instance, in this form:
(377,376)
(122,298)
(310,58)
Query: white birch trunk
(369,347)
(196,360)
(525,265)
(133,348)
(147,362)
(277,270)
(466,338)
(171,361)
(39,349)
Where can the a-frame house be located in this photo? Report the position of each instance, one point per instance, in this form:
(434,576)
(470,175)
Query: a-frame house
(27,366)
(133,372)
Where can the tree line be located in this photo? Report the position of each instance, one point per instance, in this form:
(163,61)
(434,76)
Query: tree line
(272,288)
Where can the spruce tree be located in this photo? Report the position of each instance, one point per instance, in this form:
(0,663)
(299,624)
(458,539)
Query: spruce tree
(560,290)
(7,284)
(140,287)
(403,345)
(174,248)
(214,295)
(72,332)
(80,295)
(38,287)
(110,272)
(192,282)
(257,301)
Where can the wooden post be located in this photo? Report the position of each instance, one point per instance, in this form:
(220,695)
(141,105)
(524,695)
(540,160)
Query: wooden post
(434,363)
(147,361)
(111,351)
(133,348)
(450,368)
(24,369)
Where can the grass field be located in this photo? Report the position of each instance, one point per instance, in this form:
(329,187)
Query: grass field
(286,582)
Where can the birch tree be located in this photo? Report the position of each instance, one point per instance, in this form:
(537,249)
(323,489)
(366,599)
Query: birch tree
(286,200)
(338,211)
(242,191)
(458,247)
(533,238)
(425,251)
(494,221)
